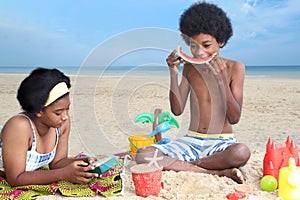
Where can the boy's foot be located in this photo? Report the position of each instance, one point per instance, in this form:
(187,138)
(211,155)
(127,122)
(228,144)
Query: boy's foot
(234,174)
(237,175)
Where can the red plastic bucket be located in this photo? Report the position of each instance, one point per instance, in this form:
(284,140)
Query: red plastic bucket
(146,179)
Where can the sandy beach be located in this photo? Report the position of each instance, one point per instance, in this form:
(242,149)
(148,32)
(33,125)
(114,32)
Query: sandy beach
(104,107)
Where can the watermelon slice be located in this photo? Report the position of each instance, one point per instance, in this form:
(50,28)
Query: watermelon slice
(197,61)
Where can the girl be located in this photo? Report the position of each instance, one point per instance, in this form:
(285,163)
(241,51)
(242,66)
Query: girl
(39,135)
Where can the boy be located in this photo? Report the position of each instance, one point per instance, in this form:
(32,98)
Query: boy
(215,91)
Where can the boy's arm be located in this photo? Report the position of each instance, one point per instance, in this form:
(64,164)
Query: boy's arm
(178,93)
(233,90)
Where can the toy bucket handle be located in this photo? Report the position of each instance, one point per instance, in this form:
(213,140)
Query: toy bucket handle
(134,146)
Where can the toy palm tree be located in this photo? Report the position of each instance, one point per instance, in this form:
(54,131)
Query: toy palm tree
(161,122)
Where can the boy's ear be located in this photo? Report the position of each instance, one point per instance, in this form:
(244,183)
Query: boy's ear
(221,44)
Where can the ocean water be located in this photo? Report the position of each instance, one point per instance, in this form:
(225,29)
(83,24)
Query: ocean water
(251,71)
(84,70)
(273,71)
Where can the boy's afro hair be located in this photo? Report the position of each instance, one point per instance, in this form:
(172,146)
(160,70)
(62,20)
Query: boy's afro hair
(205,18)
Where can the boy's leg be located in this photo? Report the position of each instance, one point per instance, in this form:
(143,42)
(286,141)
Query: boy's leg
(234,156)
(169,163)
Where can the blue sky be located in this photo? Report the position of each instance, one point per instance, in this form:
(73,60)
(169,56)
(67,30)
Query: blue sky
(65,32)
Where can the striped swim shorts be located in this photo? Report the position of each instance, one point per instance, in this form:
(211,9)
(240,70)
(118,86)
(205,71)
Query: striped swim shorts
(194,146)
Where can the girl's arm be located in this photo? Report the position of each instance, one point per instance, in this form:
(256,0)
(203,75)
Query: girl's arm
(61,157)
(17,139)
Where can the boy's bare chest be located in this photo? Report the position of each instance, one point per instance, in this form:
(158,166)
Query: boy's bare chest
(204,82)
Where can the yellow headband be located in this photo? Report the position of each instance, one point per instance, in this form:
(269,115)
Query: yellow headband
(57,91)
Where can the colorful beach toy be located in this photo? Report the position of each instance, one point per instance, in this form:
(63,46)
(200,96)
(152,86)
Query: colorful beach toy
(277,156)
(161,128)
(268,183)
(103,164)
(289,181)
(161,122)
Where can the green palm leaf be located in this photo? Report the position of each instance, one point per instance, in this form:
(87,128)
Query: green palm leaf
(166,117)
(144,117)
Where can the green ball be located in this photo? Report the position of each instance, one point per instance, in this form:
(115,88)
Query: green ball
(268,183)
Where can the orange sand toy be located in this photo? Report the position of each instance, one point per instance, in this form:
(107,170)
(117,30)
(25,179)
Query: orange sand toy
(289,181)
(277,156)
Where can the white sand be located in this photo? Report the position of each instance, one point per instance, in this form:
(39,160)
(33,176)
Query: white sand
(103,110)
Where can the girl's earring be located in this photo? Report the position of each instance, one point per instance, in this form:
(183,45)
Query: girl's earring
(38,114)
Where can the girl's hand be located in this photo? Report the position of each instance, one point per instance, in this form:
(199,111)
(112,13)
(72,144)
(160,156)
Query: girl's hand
(78,172)
(173,61)
(90,160)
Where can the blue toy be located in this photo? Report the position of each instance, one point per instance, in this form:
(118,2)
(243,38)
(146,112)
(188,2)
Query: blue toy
(103,164)
(161,128)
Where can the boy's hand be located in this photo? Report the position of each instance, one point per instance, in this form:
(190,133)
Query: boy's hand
(219,68)
(173,61)
(219,64)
